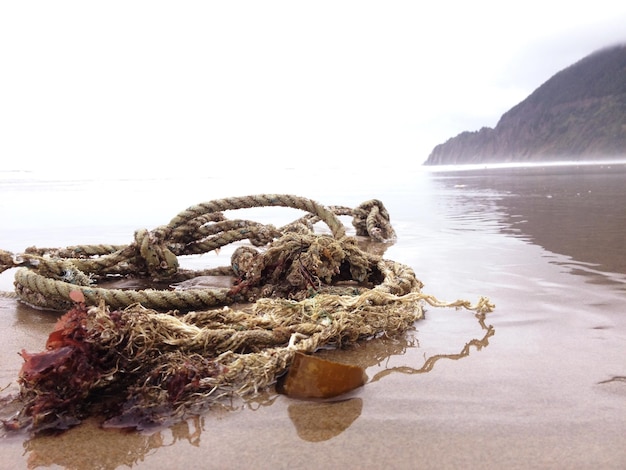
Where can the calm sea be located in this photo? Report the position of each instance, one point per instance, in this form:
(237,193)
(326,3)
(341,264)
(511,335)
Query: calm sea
(544,243)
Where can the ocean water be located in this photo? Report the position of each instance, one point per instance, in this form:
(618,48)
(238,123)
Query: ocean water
(547,390)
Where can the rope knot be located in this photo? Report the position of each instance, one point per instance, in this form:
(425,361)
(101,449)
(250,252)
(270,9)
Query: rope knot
(372,219)
(159,259)
(298,264)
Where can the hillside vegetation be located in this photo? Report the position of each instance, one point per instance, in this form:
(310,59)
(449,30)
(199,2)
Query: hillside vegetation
(579,113)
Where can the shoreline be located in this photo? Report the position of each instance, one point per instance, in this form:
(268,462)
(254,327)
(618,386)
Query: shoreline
(602,164)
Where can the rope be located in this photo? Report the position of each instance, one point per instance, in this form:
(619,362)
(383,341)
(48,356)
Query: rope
(307,291)
(47,276)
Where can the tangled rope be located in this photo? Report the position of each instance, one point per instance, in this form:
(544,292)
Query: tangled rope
(48,275)
(308,291)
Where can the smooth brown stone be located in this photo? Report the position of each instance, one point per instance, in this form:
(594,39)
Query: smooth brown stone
(312,377)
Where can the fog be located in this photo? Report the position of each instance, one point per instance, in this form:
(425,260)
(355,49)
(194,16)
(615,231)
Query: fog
(152,88)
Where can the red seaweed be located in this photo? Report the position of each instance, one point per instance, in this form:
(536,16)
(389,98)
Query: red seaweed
(82,373)
(55,382)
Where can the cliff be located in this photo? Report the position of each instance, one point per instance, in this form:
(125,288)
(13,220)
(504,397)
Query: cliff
(578,114)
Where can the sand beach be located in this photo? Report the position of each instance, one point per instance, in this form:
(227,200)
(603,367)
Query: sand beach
(547,390)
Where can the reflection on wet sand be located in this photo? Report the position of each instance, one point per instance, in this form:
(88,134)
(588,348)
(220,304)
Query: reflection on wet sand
(579,212)
(429,363)
(316,422)
(617,378)
(88,445)
(319,421)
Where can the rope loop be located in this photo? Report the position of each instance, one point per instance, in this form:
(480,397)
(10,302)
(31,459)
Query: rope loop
(371,219)
(292,261)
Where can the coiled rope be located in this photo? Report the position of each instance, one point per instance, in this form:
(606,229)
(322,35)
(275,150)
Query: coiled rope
(308,290)
(48,275)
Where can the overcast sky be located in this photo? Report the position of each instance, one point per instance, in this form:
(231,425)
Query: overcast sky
(128,85)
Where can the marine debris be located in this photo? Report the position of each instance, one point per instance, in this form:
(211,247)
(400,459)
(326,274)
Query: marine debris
(146,356)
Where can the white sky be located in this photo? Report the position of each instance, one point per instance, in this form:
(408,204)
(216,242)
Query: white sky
(130,86)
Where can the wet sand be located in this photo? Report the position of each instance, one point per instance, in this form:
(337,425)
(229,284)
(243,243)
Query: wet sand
(547,390)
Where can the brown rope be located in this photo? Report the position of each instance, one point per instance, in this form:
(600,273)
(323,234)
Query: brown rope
(48,275)
(307,291)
